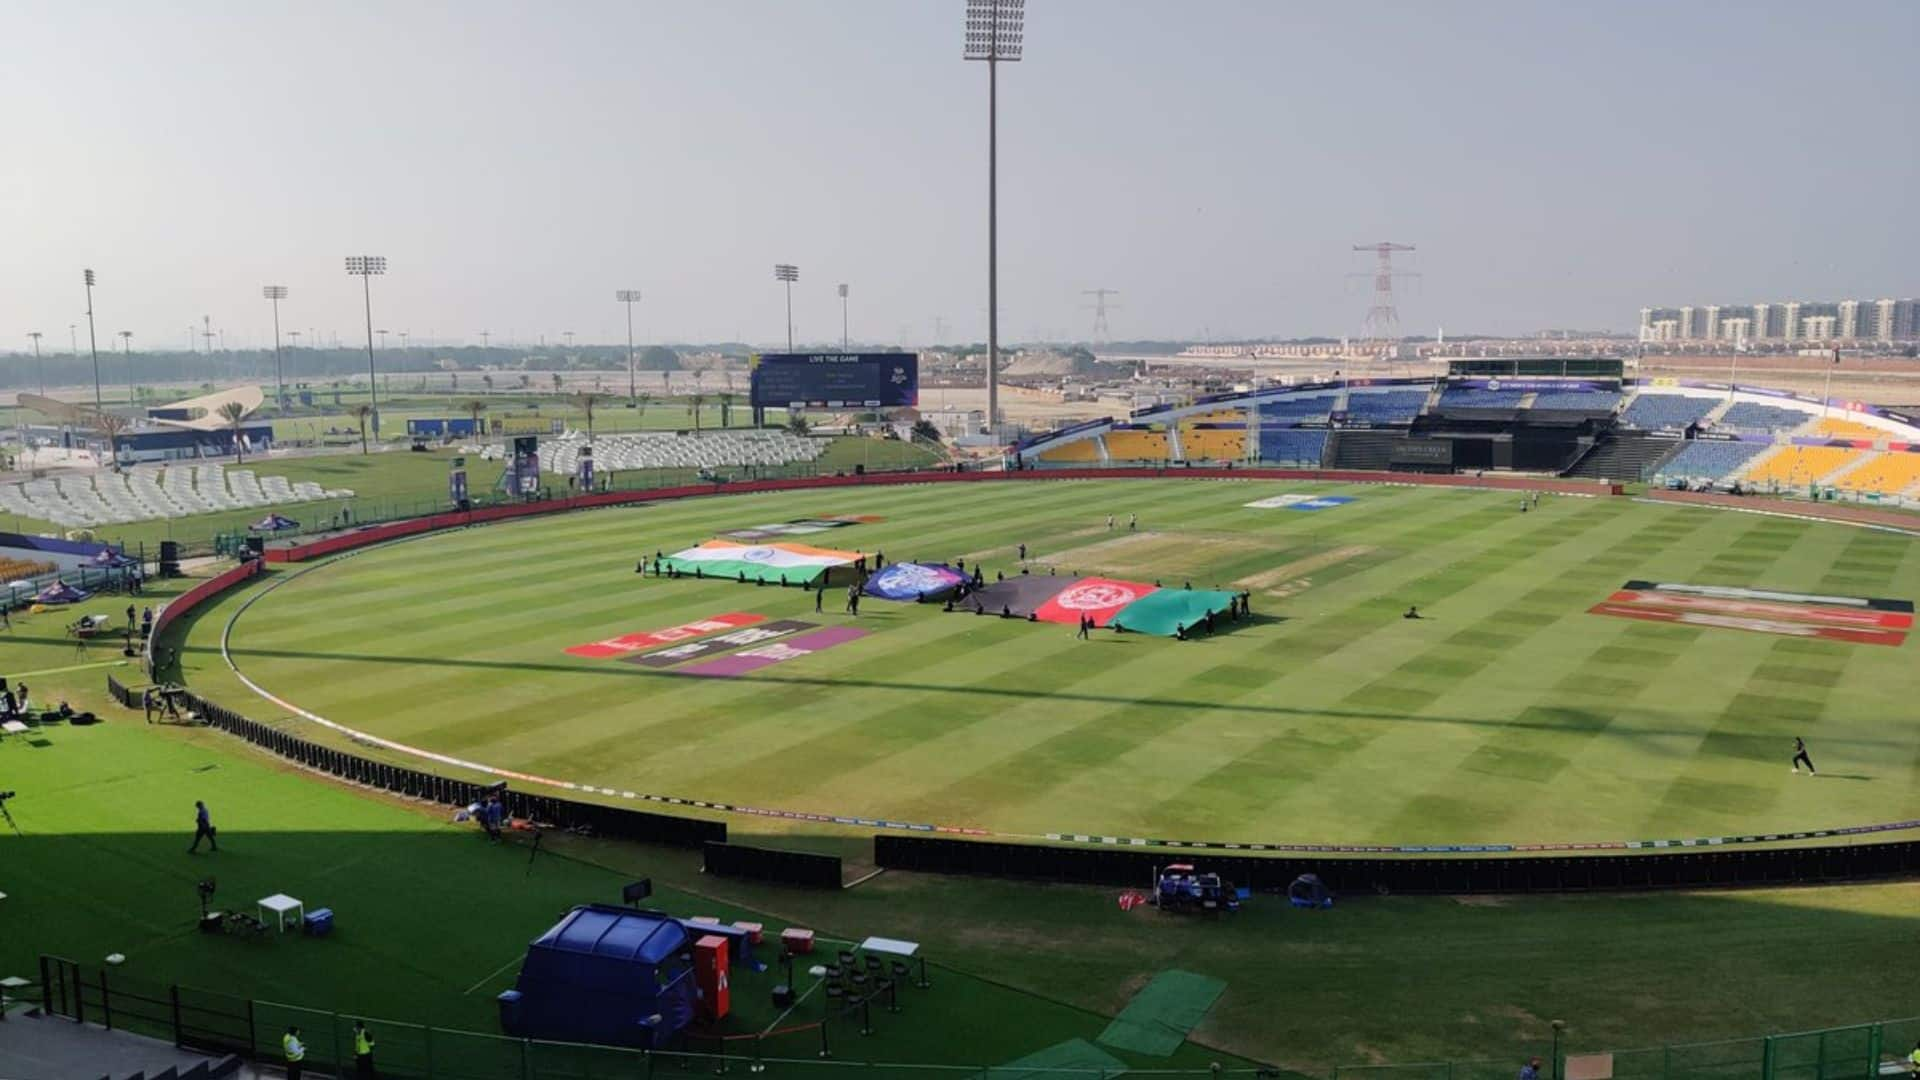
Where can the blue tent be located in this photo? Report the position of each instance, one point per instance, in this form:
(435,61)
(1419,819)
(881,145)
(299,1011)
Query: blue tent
(605,975)
(60,593)
(108,559)
(274,523)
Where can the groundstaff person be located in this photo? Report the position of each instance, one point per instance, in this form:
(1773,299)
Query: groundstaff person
(202,828)
(295,1050)
(362,1050)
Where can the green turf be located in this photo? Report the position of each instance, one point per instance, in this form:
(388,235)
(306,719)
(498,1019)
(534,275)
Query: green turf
(1163,1013)
(1508,714)
(1075,1054)
(430,919)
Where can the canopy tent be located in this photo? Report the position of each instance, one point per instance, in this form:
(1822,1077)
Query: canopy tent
(60,593)
(108,559)
(274,523)
(1164,611)
(792,564)
(915,581)
(606,975)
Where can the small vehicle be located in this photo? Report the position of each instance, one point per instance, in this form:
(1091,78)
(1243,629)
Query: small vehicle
(1179,889)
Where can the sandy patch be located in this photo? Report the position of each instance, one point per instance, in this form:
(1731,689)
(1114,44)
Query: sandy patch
(1294,577)
(1033,554)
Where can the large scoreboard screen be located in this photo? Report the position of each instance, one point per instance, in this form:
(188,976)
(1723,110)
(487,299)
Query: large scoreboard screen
(836,380)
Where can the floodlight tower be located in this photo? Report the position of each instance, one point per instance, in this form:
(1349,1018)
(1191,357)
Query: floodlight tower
(126,356)
(93,346)
(788,273)
(275,294)
(366,267)
(843,316)
(994,32)
(38,365)
(630,297)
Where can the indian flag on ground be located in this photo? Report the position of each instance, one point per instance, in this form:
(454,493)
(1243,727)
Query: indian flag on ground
(793,564)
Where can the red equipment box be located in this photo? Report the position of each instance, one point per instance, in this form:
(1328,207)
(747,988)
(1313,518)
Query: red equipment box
(710,976)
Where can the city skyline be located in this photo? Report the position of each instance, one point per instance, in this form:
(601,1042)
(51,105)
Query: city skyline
(1219,184)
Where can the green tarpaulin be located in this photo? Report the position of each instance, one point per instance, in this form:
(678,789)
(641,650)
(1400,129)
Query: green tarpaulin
(1159,1017)
(1076,1054)
(734,569)
(1162,611)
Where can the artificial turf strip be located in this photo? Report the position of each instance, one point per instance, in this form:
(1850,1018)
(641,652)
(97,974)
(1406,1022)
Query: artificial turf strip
(1163,1013)
(1507,714)
(1078,1055)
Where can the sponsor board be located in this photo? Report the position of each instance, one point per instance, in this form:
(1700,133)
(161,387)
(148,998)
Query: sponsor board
(1300,502)
(631,643)
(778,652)
(1862,620)
(693,650)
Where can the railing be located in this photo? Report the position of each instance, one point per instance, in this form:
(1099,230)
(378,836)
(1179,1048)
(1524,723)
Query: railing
(819,1042)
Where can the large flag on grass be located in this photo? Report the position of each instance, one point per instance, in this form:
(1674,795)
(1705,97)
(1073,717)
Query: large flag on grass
(1165,611)
(793,563)
(1101,598)
(911,581)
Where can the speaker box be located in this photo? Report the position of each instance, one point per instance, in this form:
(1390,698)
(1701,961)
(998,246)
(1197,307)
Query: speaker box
(256,546)
(169,558)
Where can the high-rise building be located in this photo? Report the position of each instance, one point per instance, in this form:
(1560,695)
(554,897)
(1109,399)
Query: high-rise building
(1848,324)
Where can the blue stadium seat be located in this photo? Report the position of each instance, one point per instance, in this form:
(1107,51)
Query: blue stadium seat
(1706,459)
(1393,406)
(1296,445)
(1655,412)
(1584,400)
(1748,416)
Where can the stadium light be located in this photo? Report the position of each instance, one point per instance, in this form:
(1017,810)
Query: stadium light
(995,32)
(629,297)
(843,316)
(126,354)
(38,365)
(365,267)
(92,345)
(277,293)
(788,273)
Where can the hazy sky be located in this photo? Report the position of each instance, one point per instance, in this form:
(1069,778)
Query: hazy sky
(1558,164)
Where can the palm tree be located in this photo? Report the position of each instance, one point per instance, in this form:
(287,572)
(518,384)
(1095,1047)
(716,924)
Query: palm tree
(586,403)
(474,408)
(488,380)
(696,399)
(726,409)
(640,401)
(233,412)
(362,413)
(556,382)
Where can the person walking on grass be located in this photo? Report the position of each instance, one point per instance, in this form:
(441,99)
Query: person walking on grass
(203,828)
(819,597)
(1109,522)
(1133,521)
(1531,1070)
(1800,756)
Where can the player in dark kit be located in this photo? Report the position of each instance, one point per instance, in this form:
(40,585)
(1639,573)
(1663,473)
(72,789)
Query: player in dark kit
(1800,756)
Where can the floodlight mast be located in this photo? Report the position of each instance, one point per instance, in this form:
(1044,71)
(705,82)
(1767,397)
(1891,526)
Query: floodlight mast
(788,273)
(630,297)
(995,29)
(843,316)
(38,364)
(126,357)
(277,293)
(365,267)
(93,346)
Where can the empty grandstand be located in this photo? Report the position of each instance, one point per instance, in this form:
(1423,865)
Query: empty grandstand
(1293,446)
(1577,400)
(1463,397)
(143,494)
(1751,416)
(1386,407)
(1892,473)
(1799,466)
(1653,411)
(1710,461)
(666,450)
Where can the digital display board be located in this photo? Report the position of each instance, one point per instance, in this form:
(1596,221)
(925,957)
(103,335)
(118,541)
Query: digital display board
(836,380)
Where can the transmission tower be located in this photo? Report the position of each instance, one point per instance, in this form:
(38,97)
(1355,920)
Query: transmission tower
(1382,328)
(1099,307)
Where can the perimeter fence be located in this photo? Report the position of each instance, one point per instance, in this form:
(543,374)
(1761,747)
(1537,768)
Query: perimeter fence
(821,1039)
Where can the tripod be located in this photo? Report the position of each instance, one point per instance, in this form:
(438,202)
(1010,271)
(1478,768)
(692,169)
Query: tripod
(8,814)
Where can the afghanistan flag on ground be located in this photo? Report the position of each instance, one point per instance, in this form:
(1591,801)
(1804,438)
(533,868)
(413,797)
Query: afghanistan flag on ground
(1130,605)
(791,563)
(912,581)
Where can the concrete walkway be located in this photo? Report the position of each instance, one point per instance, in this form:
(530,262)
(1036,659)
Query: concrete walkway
(48,1048)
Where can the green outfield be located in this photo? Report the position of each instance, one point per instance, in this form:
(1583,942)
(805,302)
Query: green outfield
(1508,714)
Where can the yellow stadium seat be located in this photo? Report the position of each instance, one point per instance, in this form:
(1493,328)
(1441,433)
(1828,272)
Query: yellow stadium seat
(1885,474)
(1079,451)
(1124,446)
(1842,428)
(1214,444)
(1802,464)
